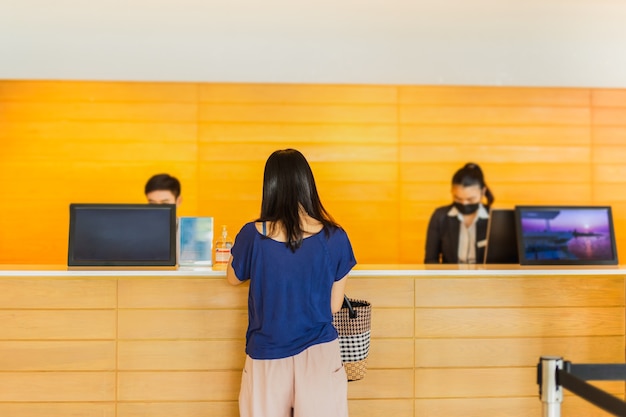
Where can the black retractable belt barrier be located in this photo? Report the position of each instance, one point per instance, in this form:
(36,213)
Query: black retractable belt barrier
(554,373)
(598,371)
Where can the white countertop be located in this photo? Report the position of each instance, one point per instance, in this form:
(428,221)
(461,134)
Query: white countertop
(379,270)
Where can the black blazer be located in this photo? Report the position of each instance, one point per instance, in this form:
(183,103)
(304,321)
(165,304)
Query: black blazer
(442,238)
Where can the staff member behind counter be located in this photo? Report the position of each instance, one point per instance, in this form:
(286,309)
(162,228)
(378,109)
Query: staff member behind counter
(457,232)
(163,189)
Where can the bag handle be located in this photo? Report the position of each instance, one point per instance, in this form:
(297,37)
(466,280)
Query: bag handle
(347,304)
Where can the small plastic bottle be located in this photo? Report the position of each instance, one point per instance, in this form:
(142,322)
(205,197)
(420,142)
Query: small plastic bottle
(222,249)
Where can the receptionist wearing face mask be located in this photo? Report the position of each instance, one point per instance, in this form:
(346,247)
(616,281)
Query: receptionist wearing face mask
(457,232)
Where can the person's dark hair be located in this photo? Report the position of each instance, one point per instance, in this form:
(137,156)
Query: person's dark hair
(471,174)
(288,188)
(163,182)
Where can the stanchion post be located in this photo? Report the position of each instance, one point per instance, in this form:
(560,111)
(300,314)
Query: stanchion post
(550,392)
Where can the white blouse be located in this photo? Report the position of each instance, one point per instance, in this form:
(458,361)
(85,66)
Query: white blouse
(467,235)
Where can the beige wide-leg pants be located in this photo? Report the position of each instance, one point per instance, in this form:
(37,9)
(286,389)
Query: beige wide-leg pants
(312,383)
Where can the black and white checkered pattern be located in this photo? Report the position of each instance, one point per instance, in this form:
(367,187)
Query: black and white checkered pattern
(353,326)
(354,347)
(354,337)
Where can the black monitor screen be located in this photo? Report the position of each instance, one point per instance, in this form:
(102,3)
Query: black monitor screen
(565,235)
(501,238)
(122,235)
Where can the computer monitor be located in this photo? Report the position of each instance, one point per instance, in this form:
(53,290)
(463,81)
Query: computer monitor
(122,235)
(501,238)
(565,235)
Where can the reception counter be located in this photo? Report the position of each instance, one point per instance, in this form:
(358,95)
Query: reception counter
(446,341)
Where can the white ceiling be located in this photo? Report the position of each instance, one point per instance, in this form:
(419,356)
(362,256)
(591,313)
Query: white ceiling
(462,42)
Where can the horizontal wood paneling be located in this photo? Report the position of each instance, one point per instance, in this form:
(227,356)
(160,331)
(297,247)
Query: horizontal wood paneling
(67,294)
(57,386)
(505,173)
(610,173)
(298,134)
(181,324)
(479,407)
(509,154)
(105,140)
(383,157)
(391,383)
(175,346)
(462,382)
(493,136)
(55,409)
(607,135)
(381,407)
(608,98)
(39,355)
(608,116)
(514,352)
(502,116)
(382,291)
(189,355)
(104,111)
(296,93)
(187,409)
(248,172)
(518,322)
(304,113)
(179,386)
(372,148)
(181,293)
(57,324)
(338,152)
(377,248)
(546,193)
(502,407)
(387,353)
(520,292)
(609,194)
(501,174)
(115,132)
(104,152)
(502,96)
(392,322)
(23,90)
(494,382)
(610,154)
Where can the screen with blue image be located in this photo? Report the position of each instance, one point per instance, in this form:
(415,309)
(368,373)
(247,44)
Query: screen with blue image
(574,235)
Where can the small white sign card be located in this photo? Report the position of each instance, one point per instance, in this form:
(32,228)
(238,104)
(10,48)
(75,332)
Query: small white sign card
(195,241)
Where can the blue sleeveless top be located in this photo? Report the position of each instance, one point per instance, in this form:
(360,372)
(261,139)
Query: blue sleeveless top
(289,297)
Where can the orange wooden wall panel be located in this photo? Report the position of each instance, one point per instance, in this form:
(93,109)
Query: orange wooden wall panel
(97,91)
(297,93)
(383,155)
(502,96)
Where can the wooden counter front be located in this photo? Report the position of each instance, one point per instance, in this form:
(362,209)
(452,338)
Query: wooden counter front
(446,341)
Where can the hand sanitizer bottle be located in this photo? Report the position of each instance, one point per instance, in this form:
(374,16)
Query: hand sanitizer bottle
(222,250)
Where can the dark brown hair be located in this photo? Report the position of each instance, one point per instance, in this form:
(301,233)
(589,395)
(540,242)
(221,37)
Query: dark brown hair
(288,188)
(163,182)
(471,174)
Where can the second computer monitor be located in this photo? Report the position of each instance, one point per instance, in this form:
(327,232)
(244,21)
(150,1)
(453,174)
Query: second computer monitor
(501,238)
(566,235)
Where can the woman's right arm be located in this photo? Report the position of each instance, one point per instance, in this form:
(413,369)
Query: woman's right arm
(337,293)
(230,273)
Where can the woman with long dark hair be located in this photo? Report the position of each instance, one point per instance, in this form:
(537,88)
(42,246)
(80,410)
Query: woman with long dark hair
(296,258)
(457,232)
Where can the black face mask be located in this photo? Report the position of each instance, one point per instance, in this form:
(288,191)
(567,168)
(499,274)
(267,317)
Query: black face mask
(466,208)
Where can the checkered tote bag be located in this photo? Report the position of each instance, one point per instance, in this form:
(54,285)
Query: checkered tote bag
(353,323)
